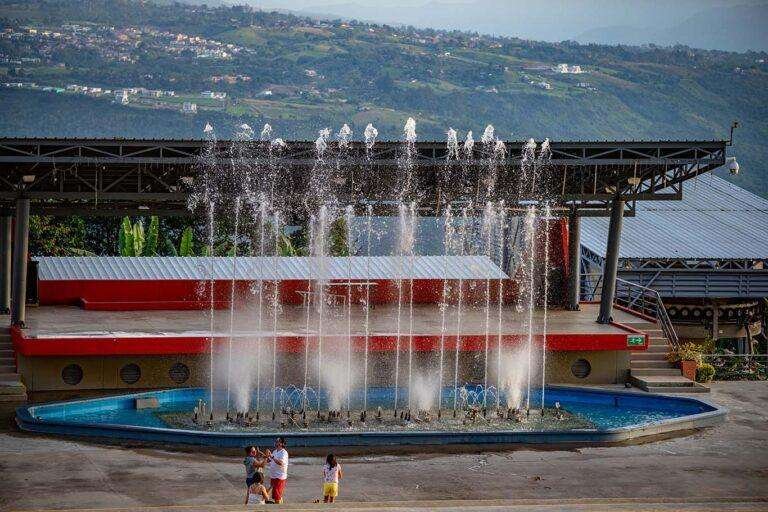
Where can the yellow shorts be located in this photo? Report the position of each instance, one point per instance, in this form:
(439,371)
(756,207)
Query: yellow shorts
(331,489)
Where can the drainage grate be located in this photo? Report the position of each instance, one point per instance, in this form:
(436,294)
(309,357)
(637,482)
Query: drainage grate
(179,373)
(130,373)
(581,368)
(72,374)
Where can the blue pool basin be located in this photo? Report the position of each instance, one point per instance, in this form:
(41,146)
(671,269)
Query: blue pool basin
(617,416)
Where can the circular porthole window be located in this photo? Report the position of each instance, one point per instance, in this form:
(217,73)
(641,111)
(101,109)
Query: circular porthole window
(72,374)
(179,373)
(130,373)
(581,368)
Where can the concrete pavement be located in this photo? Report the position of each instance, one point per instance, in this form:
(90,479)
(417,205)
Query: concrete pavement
(696,472)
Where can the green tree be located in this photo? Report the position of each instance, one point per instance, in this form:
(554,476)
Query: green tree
(57,236)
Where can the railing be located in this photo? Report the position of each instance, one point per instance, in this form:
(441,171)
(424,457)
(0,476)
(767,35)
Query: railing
(635,297)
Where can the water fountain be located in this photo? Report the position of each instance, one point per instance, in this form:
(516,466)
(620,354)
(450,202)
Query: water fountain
(338,379)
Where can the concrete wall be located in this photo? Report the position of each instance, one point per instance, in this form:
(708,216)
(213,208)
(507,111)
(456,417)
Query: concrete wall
(103,372)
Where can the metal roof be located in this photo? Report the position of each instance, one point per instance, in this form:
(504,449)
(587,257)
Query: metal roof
(254,268)
(715,220)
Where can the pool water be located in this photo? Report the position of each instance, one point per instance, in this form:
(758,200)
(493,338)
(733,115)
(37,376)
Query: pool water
(598,410)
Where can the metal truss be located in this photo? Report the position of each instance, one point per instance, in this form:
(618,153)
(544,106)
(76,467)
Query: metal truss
(116,177)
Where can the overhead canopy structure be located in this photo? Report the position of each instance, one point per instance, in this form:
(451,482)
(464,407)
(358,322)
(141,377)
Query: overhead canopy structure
(116,176)
(712,244)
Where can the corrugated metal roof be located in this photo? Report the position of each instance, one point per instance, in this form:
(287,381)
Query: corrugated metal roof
(714,220)
(253,268)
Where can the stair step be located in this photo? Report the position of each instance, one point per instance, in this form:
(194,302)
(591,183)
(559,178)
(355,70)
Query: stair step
(12,388)
(18,397)
(663,380)
(9,376)
(686,389)
(7,369)
(648,356)
(662,349)
(7,360)
(657,371)
(637,365)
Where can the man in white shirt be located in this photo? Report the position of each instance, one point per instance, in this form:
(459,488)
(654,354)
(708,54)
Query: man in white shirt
(278,469)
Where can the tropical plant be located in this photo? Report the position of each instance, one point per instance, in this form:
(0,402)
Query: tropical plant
(133,241)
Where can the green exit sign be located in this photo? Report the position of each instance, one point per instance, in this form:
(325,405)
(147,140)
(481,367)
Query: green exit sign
(635,340)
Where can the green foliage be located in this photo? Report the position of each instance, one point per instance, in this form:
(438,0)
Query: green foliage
(138,238)
(134,241)
(186,246)
(150,248)
(126,246)
(705,372)
(685,352)
(729,367)
(57,236)
(285,246)
(337,238)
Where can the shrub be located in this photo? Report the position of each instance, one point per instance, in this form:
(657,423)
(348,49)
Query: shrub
(685,352)
(705,372)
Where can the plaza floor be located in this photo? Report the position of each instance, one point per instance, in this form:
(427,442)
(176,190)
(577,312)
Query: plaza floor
(722,468)
(72,321)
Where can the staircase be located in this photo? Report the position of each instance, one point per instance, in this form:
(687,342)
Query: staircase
(11,388)
(650,371)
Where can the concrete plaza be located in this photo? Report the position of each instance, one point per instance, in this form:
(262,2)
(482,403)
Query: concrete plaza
(722,468)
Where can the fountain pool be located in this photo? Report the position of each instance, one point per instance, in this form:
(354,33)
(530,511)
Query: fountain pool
(571,415)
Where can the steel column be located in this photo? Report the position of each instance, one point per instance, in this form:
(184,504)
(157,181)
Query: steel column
(20,256)
(574,261)
(611,262)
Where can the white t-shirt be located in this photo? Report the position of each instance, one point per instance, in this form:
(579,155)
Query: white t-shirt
(331,474)
(275,470)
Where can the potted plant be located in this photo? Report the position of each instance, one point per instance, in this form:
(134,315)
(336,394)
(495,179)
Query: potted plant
(688,358)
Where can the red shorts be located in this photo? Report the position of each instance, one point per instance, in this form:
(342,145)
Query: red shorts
(278,486)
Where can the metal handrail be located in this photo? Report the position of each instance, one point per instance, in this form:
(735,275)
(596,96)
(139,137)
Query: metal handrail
(656,308)
(644,300)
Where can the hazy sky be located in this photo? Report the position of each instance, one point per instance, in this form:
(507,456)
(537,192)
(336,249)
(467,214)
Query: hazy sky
(725,24)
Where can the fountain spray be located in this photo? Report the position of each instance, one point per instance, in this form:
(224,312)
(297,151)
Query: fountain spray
(459,312)
(368,216)
(447,242)
(275,304)
(349,217)
(232,300)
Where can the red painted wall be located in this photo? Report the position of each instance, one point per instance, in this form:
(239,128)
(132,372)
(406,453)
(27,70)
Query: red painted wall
(186,294)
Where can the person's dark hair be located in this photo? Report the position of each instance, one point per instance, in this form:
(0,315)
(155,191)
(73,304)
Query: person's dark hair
(281,440)
(248,449)
(258,478)
(331,460)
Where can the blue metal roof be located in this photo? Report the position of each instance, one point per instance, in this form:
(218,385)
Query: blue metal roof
(715,220)
(254,268)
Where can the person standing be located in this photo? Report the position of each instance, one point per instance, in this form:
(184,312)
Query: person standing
(331,476)
(254,462)
(278,469)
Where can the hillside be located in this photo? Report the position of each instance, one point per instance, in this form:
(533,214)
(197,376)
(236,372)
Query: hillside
(301,74)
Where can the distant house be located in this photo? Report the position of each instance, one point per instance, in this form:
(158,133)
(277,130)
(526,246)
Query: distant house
(214,95)
(189,108)
(566,69)
(121,97)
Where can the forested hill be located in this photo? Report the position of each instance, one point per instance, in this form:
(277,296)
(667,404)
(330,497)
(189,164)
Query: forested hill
(301,75)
